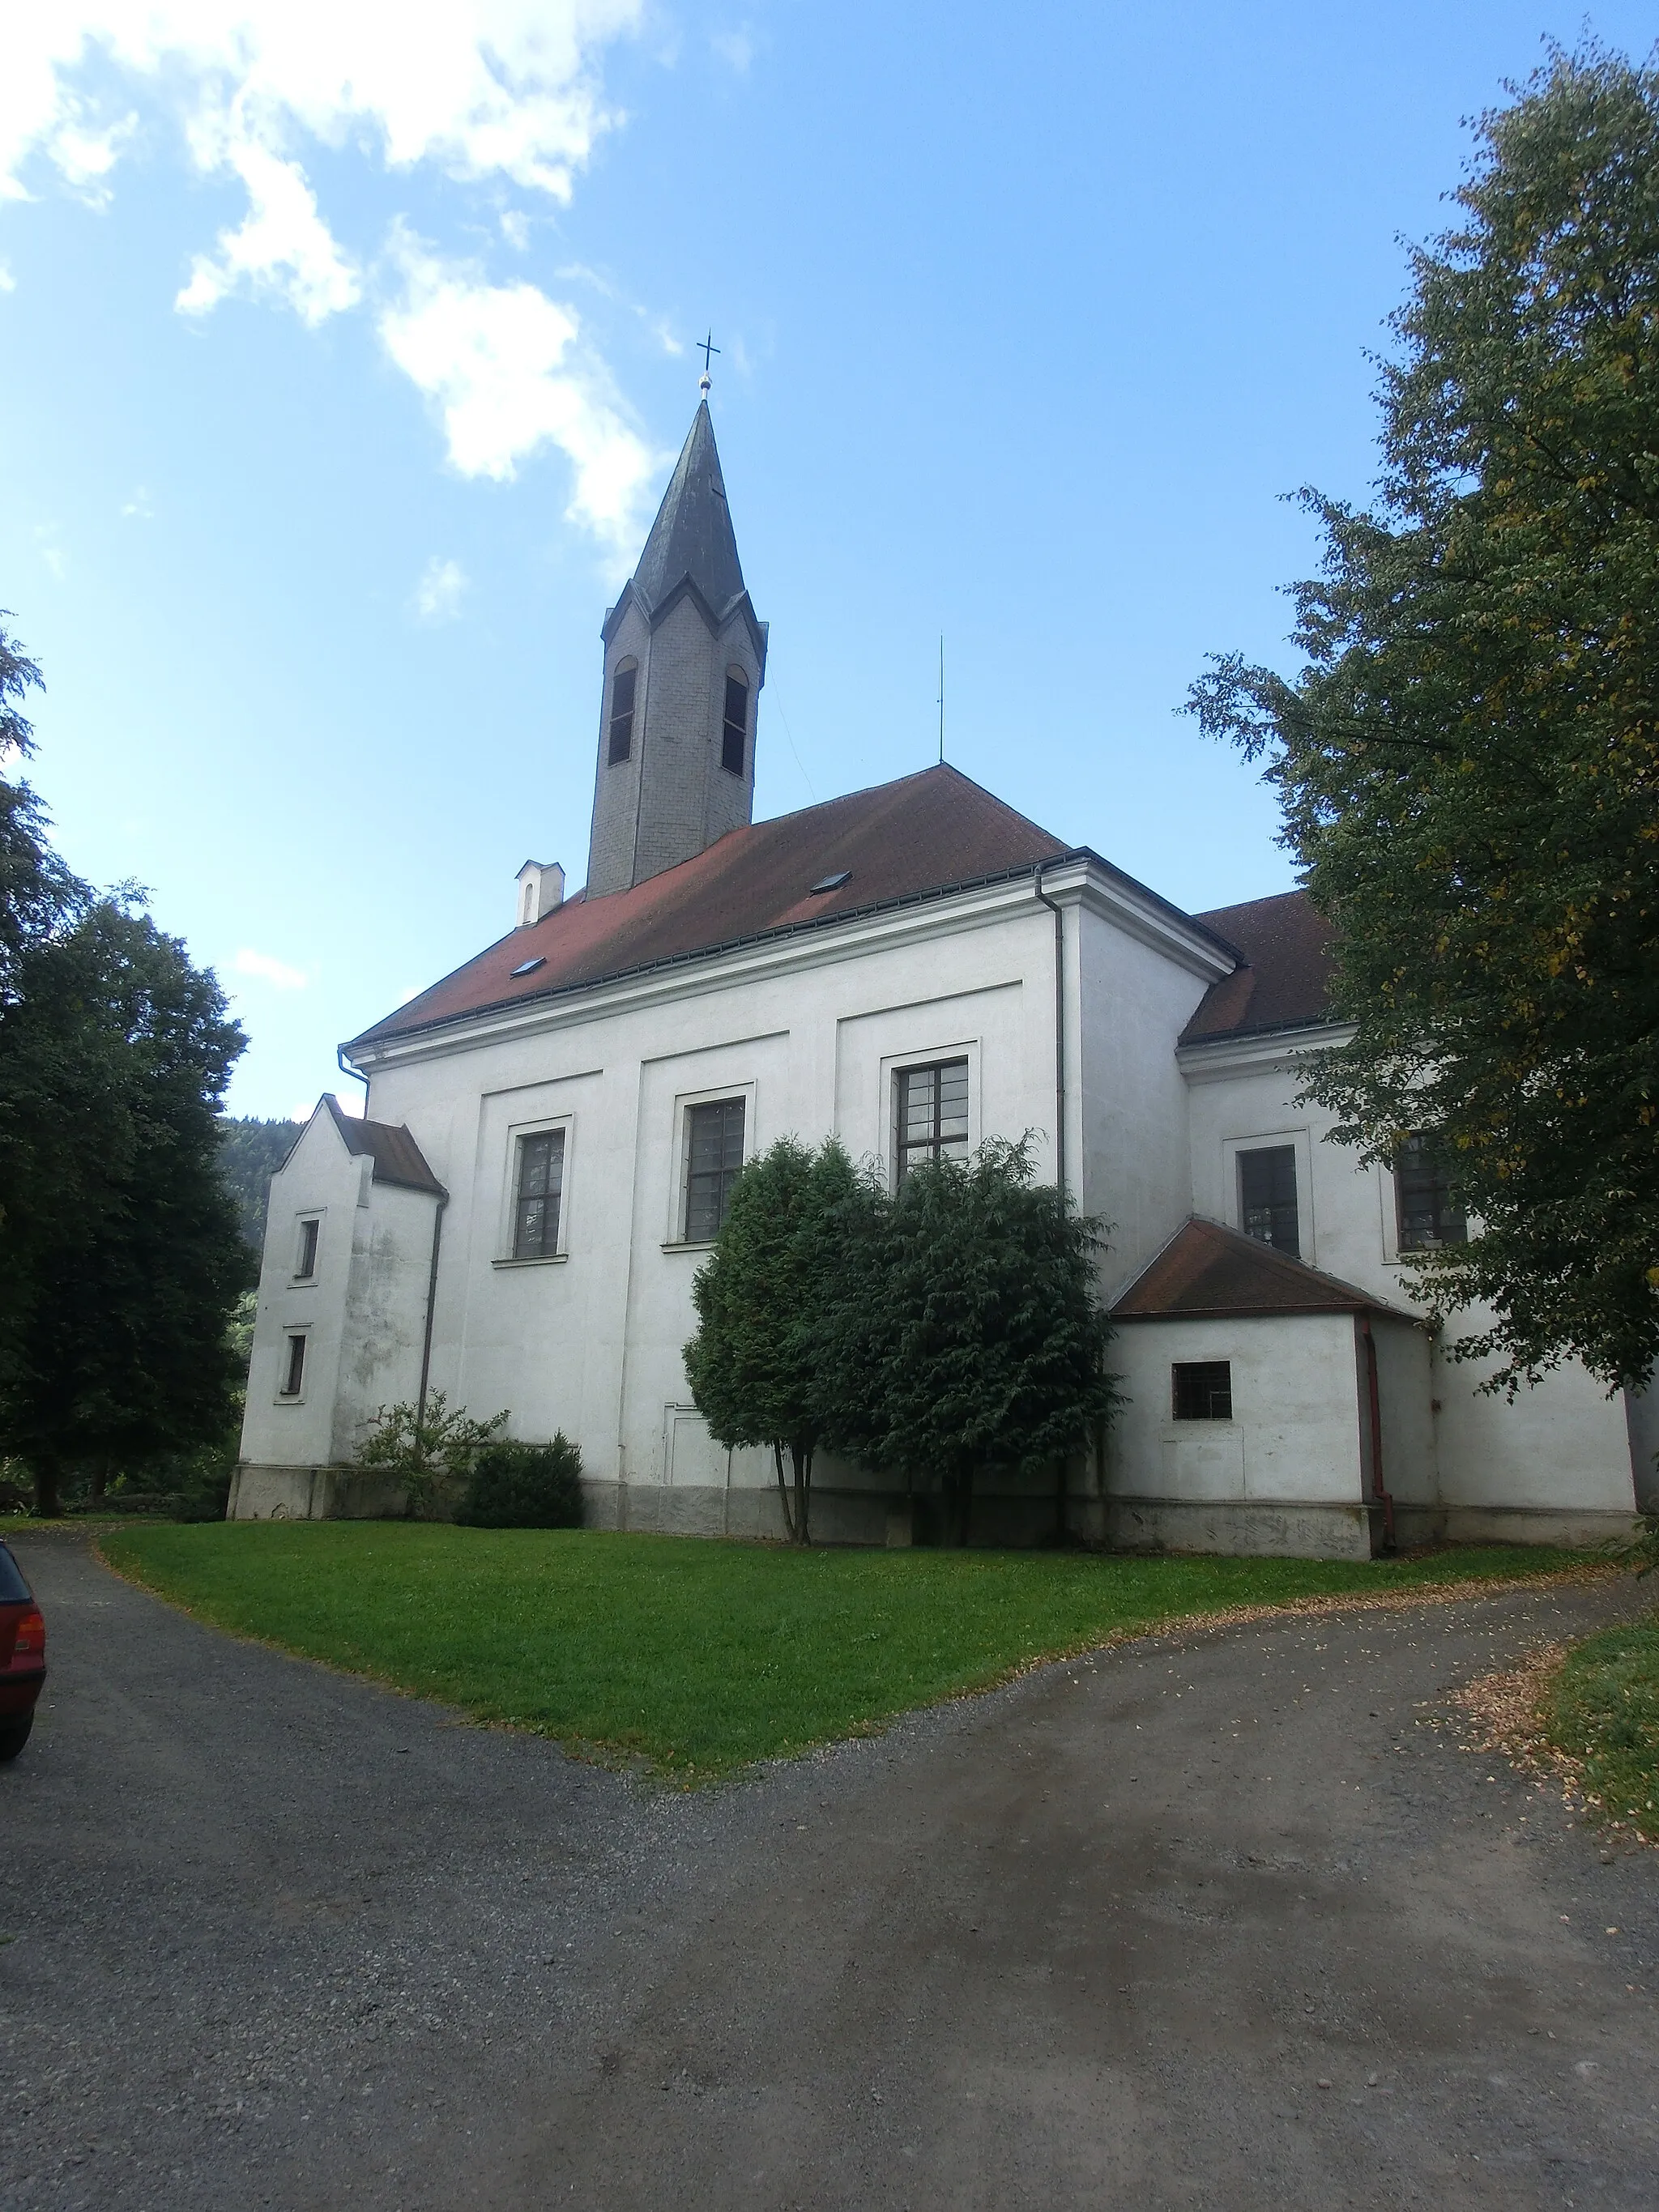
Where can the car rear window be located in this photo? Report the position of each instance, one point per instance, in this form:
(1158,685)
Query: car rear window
(12,1585)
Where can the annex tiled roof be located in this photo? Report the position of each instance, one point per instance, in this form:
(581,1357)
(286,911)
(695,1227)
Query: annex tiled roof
(925,834)
(397,1157)
(1286,949)
(1206,1272)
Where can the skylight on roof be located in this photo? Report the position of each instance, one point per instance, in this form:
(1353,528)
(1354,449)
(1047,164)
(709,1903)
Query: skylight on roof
(830,882)
(529,967)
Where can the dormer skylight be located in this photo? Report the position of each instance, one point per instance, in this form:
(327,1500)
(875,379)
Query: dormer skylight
(830,883)
(529,967)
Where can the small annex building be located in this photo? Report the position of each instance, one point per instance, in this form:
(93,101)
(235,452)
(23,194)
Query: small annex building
(551,1133)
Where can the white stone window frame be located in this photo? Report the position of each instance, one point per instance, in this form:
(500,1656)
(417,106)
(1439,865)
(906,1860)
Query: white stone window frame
(290,1330)
(319,1214)
(680,1180)
(541,1125)
(896,1064)
(1301,1138)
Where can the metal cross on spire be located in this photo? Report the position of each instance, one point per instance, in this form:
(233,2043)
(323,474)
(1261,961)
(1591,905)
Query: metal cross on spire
(707,348)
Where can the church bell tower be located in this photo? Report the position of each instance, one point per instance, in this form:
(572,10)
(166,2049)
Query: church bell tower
(684,660)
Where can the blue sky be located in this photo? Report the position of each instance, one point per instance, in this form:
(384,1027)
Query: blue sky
(344,350)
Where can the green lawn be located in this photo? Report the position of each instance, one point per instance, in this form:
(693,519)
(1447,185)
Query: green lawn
(1603,1708)
(700,1656)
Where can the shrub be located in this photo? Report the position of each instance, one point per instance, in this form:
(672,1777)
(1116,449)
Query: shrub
(430,1451)
(516,1485)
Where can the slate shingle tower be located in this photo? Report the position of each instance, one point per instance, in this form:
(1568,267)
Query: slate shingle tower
(684,660)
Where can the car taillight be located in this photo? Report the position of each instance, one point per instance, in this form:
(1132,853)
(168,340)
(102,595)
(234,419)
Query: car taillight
(30,1642)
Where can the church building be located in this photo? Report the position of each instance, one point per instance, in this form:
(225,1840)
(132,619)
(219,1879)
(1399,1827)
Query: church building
(551,1133)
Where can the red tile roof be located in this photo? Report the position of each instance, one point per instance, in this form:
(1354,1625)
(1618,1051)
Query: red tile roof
(1285,979)
(1206,1272)
(925,834)
(397,1157)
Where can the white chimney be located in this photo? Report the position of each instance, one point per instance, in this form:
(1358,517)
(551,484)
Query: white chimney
(541,889)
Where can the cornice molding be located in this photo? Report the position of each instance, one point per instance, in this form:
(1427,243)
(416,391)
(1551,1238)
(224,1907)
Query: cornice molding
(1210,1060)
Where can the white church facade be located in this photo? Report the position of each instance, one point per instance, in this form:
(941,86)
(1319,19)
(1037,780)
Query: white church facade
(550,1133)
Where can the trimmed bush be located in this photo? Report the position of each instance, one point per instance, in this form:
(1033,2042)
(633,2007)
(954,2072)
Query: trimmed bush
(516,1485)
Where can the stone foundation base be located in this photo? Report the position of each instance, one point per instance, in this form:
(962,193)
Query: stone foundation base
(1572,1528)
(311,1493)
(1260,1528)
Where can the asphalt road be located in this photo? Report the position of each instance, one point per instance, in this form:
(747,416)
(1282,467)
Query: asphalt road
(1218,1920)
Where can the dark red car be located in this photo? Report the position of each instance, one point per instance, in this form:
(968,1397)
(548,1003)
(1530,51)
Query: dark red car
(22,1655)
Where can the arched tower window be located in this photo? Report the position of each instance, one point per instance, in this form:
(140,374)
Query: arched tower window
(734,729)
(621,712)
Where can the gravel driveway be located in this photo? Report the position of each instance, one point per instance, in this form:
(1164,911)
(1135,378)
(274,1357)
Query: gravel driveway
(1216,1919)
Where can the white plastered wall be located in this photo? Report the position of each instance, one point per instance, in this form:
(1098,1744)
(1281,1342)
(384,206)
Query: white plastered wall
(1561,1449)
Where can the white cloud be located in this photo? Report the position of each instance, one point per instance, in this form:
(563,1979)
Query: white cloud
(269,969)
(8,281)
(438,595)
(503,364)
(138,509)
(735,48)
(282,247)
(503,91)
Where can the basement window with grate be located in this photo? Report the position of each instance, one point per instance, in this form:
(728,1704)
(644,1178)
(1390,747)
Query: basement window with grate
(1201,1389)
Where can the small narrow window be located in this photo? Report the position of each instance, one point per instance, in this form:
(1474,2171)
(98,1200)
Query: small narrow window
(529,903)
(930,1115)
(1430,1215)
(540,1186)
(714,1139)
(734,729)
(1202,1389)
(308,1260)
(294,1373)
(621,712)
(1267,1197)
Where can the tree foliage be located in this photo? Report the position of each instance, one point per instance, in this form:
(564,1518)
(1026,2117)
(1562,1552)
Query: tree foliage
(120,1261)
(122,1257)
(1469,758)
(951,1328)
(250,1152)
(430,1451)
(522,1486)
(753,1365)
(971,1335)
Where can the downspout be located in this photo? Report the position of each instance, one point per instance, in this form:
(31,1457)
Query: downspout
(1379,1488)
(1060,1030)
(1060,1524)
(431,1301)
(355,1074)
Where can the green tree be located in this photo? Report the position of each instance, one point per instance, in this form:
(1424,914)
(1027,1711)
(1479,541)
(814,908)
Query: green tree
(1469,757)
(966,1331)
(120,1240)
(429,1450)
(753,1365)
(37,891)
(250,1152)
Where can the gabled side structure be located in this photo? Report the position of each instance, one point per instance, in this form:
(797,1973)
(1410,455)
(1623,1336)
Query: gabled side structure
(556,1128)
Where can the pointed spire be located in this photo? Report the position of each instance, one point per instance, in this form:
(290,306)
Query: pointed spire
(692,536)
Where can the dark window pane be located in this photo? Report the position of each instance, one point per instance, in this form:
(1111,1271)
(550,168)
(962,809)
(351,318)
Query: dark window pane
(1430,1214)
(1202,1390)
(930,1114)
(536,1210)
(621,713)
(734,729)
(715,1159)
(1267,1197)
(296,1367)
(307,1249)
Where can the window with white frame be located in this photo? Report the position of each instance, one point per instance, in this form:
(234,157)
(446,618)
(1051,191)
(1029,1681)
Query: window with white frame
(1267,1198)
(294,1364)
(304,1258)
(713,1160)
(537,1193)
(930,1115)
(1429,1212)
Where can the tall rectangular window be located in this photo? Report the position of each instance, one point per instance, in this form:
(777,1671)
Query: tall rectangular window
(714,1138)
(293,1374)
(622,712)
(930,1114)
(307,1263)
(734,727)
(1430,1215)
(1201,1391)
(1267,1197)
(537,1195)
